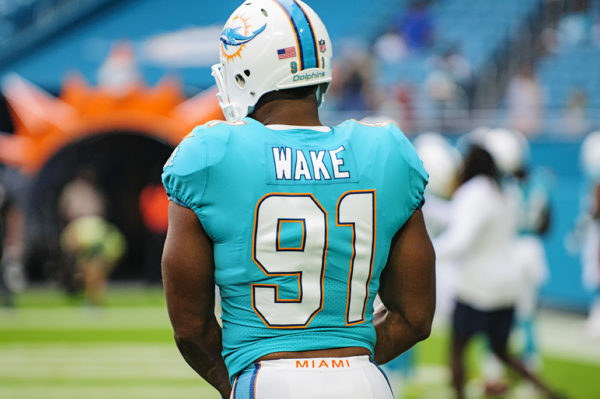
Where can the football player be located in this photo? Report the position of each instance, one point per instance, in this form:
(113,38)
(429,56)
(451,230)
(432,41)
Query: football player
(300,225)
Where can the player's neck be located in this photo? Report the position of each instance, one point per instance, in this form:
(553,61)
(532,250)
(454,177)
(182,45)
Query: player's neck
(288,112)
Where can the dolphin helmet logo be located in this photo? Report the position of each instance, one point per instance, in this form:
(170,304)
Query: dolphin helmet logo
(232,37)
(235,35)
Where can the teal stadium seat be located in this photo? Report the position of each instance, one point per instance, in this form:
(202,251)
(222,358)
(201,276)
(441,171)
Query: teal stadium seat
(556,75)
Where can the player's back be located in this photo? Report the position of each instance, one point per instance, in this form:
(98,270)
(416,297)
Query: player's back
(301,221)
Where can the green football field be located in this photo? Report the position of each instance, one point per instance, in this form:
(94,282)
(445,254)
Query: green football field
(53,347)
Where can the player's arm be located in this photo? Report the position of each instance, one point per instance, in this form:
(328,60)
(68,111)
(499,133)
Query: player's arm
(187,269)
(407,290)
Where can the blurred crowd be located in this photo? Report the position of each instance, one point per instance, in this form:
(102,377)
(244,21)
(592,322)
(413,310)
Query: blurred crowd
(415,75)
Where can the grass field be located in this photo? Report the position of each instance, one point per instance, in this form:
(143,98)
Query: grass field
(53,347)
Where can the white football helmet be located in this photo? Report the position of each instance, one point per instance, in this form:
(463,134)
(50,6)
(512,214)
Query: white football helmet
(440,160)
(509,148)
(270,45)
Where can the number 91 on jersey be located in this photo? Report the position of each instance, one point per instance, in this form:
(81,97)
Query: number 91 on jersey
(307,258)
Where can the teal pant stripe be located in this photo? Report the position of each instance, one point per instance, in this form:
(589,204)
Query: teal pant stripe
(245,387)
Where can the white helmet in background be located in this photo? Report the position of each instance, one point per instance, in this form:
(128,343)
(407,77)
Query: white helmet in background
(590,155)
(476,135)
(269,45)
(440,160)
(509,148)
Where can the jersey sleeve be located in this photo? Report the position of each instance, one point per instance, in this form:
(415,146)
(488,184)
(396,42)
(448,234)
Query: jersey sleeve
(185,172)
(417,175)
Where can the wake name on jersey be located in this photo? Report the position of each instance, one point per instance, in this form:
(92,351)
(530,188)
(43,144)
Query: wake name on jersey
(311,165)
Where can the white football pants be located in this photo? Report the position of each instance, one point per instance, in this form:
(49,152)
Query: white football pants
(314,378)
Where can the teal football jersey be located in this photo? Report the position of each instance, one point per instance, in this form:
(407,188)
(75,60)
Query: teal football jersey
(301,222)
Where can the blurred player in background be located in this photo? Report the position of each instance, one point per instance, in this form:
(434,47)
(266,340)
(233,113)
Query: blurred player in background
(586,236)
(479,238)
(96,245)
(530,189)
(442,162)
(91,245)
(300,225)
(80,197)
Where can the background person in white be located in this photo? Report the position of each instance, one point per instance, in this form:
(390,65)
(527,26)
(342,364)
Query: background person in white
(479,237)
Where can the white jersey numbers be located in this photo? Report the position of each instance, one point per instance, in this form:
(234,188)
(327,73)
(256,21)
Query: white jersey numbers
(357,210)
(305,258)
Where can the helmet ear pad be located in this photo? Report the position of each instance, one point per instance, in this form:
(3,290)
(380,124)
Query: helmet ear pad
(263,50)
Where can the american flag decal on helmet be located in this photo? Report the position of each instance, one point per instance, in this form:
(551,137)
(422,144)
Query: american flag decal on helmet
(287,52)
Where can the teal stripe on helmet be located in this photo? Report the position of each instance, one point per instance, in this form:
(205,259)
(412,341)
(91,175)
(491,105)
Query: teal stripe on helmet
(307,42)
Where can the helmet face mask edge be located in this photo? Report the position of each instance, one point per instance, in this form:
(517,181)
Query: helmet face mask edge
(230,111)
